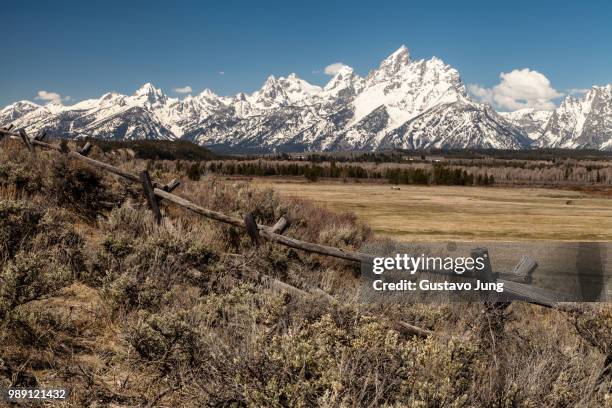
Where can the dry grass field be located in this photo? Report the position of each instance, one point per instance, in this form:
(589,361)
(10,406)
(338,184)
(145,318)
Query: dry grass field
(433,213)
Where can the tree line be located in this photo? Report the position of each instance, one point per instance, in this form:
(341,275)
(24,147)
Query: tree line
(436,174)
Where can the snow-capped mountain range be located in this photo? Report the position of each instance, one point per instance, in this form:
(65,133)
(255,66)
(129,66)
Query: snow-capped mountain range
(404,103)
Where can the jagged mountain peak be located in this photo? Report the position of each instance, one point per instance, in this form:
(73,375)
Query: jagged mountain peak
(17,110)
(148,89)
(397,59)
(208,94)
(529,119)
(270,91)
(282,91)
(298,89)
(344,83)
(150,95)
(21,104)
(584,122)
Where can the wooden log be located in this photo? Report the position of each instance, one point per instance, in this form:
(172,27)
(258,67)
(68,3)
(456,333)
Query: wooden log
(252,228)
(148,189)
(410,330)
(104,166)
(169,187)
(86,149)
(522,271)
(46,145)
(405,328)
(26,139)
(280,286)
(172,185)
(316,248)
(281,225)
(228,219)
(322,294)
(533,294)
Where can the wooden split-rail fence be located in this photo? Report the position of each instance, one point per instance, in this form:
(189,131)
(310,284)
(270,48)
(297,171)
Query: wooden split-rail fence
(516,285)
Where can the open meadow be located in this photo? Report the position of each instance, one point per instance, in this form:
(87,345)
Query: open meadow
(433,213)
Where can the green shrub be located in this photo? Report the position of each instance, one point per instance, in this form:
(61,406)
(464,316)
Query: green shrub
(194,172)
(167,337)
(21,176)
(30,276)
(18,223)
(79,187)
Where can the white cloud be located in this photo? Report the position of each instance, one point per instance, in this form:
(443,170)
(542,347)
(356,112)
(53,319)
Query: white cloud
(183,90)
(481,93)
(50,97)
(221,72)
(332,69)
(518,89)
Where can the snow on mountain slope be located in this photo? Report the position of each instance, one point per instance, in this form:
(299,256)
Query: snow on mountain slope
(403,103)
(297,89)
(112,116)
(531,120)
(345,84)
(17,110)
(455,125)
(581,122)
(407,88)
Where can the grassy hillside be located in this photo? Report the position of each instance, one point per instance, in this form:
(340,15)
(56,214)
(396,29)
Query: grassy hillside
(96,297)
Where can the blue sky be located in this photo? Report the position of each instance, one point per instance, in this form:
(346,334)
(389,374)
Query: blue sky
(83,49)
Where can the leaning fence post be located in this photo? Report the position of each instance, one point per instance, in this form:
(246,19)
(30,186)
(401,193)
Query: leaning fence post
(494,313)
(26,140)
(252,229)
(149,192)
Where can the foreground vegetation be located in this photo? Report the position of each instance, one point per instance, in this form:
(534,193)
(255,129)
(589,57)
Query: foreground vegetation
(96,297)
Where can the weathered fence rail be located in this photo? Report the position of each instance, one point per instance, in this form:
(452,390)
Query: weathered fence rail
(155,192)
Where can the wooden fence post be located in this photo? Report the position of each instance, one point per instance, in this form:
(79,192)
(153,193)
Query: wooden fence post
(40,137)
(26,140)
(252,229)
(5,129)
(522,271)
(85,149)
(149,192)
(494,313)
